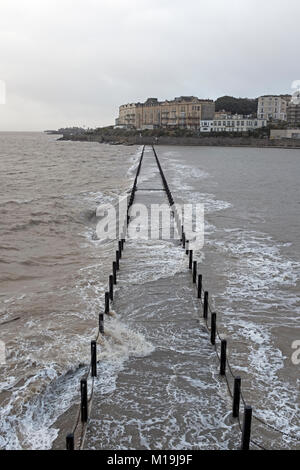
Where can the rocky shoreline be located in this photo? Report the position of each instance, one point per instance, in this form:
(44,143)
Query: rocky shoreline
(185,141)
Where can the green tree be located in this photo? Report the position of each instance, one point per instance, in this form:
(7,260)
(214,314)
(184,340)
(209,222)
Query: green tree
(234,105)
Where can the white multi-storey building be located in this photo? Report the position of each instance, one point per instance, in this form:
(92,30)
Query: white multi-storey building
(273,107)
(236,123)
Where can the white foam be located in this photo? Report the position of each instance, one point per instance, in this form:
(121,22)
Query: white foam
(33,408)
(157,259)
(120,342)
(261,267)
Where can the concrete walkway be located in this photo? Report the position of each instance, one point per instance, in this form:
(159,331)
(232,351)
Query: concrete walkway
(174,397)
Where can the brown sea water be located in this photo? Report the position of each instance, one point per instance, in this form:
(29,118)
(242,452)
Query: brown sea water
(53,274)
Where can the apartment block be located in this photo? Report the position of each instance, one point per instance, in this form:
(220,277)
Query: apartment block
(234,123)
(271,107)
(184,112)
(293,114)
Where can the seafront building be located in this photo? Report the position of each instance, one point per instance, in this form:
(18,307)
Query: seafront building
(190,112)
(232,123)
(222,114)
(293,114)
(272,107)
(184,112)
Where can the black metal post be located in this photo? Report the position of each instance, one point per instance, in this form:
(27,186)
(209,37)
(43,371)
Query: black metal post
(101,323)
(194,272)
(246,433)
(115,272)
(94,359)
(190,259)
(120,248)
(223,357)
(107,303)
(70,442)
(111,287)
(205,305)
(186,247)
(213,328)
(118,260)
(199,286)
(183,240)
(236,397)
(84,401)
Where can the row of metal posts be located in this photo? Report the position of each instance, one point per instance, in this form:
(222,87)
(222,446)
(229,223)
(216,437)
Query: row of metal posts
(109,297)
(246,427)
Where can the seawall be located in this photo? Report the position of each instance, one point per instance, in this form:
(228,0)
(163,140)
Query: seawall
(185,141)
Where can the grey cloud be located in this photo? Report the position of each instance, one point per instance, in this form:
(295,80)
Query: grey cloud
(74,61)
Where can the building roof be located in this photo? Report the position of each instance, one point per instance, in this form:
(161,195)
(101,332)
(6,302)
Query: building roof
(178,99)
(275,96)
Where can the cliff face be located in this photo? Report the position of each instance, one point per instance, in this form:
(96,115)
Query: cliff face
(200,141)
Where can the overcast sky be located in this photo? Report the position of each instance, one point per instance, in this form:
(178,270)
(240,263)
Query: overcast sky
(73,62)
